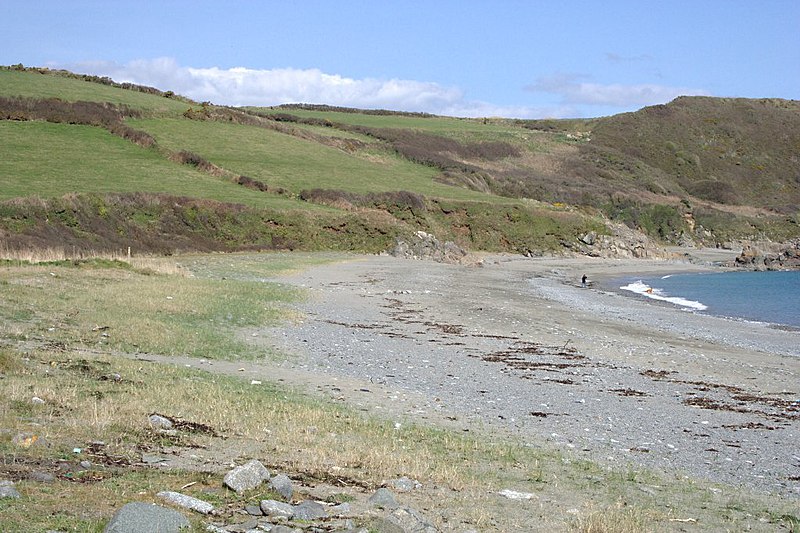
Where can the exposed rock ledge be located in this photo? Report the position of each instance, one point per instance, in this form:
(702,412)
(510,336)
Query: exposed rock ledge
(769,256)
(426,246)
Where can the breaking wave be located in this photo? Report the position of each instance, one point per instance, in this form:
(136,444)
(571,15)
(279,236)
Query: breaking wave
(640,287)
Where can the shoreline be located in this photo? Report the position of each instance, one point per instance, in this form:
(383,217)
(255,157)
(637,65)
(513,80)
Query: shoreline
(517,345)
(673,300)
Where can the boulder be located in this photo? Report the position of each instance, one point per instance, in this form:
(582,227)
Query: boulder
(139,517)
(282,485)
(309,510)
(426,246)
(7,489)
(159,422)
(246,477)
(274,508)
(187,502)
(383,498)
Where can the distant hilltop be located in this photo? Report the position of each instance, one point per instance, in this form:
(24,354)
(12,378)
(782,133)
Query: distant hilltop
(698,171)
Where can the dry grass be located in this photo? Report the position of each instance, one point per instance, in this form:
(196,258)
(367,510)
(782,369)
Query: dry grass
(154,264)
(618,518)
(86,394)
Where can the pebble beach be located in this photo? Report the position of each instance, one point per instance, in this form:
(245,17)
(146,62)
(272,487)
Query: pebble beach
(517,345)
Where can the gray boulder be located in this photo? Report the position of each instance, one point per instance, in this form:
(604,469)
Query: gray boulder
(282,485)
(139,517)
(274,508)
(41,477)
(159,422)
(7,489)
(309,510)
(187,502)
(384,499)
(405,520)
(246,477)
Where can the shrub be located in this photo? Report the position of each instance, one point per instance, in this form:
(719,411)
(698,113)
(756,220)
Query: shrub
(393,201)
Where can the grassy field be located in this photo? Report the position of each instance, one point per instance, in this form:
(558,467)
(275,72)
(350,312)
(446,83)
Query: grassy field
(50,160)
(461,129)
(33,85)
(162,314)
(51,348)
(281,160)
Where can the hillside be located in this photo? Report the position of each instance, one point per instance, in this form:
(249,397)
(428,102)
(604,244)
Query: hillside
(94,165)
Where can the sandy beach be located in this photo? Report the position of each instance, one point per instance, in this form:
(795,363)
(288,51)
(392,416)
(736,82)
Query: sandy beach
(516,345)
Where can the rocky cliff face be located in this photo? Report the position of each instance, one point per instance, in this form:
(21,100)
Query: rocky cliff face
(770,256)
(426,246)
(621,243)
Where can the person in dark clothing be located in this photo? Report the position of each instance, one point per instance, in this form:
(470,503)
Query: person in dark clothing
(583,281)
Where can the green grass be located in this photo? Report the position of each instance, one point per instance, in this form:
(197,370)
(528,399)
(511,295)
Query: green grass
(164,314)
(81,404)
(429,124)
(34,85)
(256,267)
(281,160)
(461,129)
(51,160)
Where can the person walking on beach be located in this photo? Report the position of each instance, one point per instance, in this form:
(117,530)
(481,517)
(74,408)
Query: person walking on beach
(583,281)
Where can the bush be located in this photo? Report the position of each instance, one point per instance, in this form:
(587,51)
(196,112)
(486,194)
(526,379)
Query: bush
(393,202)
(108,116)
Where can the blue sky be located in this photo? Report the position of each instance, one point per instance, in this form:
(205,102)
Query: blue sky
(525,59)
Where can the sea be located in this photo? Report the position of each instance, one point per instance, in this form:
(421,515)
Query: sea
(771,297)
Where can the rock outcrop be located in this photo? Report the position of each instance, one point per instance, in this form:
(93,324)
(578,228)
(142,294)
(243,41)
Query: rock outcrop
(621,242)
(426,246)
(769,256)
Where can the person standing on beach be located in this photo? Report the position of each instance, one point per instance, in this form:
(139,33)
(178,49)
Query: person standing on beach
(583,281)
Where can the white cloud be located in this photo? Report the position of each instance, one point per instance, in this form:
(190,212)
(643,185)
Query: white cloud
(573,90)
(243,86)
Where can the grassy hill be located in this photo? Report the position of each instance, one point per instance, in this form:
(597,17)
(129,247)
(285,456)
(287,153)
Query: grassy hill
(95,164)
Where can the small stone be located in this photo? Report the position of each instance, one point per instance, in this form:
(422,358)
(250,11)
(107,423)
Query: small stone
(515,495)
(282,485)
(276,508)
(284,529)
(36,400)
(187,502)
(153,458)
(254,510)
(159,422)
(246,477)
(341,509)
(309,510)
(26,440)
(86,465)
(406,519)
(41,477)
(383,498)
(7,489)
(404,484)
(242,527)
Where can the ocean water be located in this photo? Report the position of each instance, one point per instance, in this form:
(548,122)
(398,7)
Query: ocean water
(772,297)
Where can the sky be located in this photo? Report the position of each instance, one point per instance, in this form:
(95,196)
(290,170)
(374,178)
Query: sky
(467,58)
